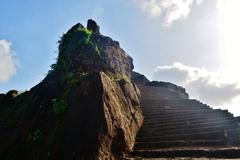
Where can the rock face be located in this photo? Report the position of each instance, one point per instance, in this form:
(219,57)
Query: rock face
(92,26)
(139,78)
(93,52)
(122,117)
(86,108)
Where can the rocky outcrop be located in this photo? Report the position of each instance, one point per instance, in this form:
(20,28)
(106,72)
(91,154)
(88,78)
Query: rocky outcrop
(139,78)
(86,108)
(122,117)
(93,52)
(170,86)
(92,26)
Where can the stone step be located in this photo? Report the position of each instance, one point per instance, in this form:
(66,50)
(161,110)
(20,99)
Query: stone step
(147,99)
(179,103)
(182,143)
(165,112)
(157,131)
(223,134)
(186,122)
(179,110)
(177,127)
(175,110)
(193,116)
(147,105)
(230,152)
(238,118)
(163,127)
(171,102)
(183,118)
(189,125)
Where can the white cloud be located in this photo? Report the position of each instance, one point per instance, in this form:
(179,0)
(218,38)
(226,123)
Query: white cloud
(8,64)
(200,83)
(170,10)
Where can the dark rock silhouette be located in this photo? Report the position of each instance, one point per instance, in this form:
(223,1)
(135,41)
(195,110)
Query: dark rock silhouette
(86,107)
(93,53)
(139,78)
(92,25)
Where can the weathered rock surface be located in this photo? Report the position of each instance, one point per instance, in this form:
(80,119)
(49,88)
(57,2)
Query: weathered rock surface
(123,117)
(139,78)
(86,107)
(92,25)
(103,54)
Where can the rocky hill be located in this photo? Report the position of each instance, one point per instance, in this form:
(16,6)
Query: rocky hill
(86,107)
(91,105)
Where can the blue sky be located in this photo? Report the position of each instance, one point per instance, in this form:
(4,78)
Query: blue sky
(185,42)
(34,27)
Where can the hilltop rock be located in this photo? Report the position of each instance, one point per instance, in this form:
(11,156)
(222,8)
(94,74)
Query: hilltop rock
(92,25)
(86,108)
(83,50)
(139,78)
(170,86)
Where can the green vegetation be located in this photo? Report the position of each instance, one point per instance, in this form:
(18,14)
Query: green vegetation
(59,106)
(126,79)
(60,66)
(96,49)
(72,80)
(114,79)
(86,34)
(123,81)
(74,39)
(35,137)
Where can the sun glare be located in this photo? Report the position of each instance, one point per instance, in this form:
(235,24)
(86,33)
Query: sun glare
(229,27)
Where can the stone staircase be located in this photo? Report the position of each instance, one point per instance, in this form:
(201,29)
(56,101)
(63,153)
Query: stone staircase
(175,126)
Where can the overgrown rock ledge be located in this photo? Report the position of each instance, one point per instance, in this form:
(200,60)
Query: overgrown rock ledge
(87,107)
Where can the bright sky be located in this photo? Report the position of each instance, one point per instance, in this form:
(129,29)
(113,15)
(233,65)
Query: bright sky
(193,43)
